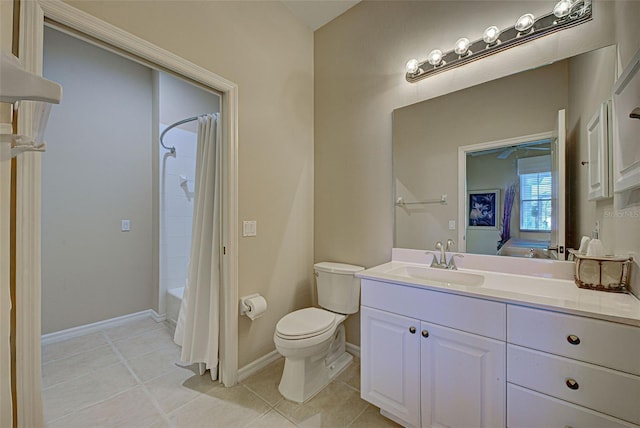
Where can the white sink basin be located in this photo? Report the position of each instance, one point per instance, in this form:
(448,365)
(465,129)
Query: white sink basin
(440,275)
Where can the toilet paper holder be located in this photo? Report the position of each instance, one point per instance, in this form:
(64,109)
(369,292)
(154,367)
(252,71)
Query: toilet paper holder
(244,306)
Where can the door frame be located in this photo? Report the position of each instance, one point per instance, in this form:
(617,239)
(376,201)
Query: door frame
(33,14)
(462,175)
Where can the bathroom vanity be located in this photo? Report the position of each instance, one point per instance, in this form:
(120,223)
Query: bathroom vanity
(476,347)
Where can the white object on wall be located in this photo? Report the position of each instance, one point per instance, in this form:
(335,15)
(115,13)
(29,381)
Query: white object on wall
(597,146)
(254,306)
(626,130)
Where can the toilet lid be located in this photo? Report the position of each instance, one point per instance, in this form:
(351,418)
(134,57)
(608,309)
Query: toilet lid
(305,323)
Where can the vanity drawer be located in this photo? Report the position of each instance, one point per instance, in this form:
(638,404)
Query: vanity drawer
(600,342)
(530,409)
(477,316)
(598,388)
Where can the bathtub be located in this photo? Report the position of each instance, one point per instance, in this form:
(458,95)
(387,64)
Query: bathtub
(174,300)
(526,248)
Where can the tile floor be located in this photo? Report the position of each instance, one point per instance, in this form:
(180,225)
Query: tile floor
(130,376)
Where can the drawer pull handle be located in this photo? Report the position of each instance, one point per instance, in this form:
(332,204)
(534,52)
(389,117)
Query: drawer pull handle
(572,384)
(425,333)
(573,339)
(412,330)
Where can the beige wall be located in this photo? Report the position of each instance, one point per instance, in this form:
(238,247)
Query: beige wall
(426,137)
(6,24)
(269,54)
(96,171)
(359,81)
(6,31)
(591,78)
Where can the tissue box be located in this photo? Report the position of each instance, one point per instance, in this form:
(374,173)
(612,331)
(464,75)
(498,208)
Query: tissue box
(603,273)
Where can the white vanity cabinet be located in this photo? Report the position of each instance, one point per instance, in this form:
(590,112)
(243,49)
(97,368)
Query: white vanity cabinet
(431,358)
(571,370)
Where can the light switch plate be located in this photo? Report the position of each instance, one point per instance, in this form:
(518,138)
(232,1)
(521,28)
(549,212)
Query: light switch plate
(125,225)
(452,225)
(249,228)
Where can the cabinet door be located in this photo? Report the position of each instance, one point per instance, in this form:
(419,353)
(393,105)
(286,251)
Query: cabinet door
(390,363)
(463,379)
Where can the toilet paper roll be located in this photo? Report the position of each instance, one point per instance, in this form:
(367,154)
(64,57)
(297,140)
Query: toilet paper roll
(257,307)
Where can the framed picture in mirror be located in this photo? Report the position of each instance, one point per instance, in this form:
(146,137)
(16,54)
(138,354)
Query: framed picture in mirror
(483,209)
(626,127)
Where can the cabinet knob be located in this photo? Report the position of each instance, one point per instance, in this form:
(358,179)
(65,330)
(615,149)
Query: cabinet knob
(573,339)
(425,333)
(412,330)
(572,384)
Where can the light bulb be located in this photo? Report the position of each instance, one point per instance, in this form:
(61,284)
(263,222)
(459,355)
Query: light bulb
(412,66)
(562,8)
(462,46)
(491,35)
(435,57)
(525,22)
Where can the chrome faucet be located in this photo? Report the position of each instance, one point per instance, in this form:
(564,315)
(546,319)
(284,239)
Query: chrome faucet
(452,261)
(442,263)
(450,243)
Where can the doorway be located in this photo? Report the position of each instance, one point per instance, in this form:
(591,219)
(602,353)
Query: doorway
(29,178)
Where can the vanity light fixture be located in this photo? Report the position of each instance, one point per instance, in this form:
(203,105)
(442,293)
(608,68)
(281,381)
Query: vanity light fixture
(562,8)
(435,57)
(525,22)
(565,14)
(491,34)
(413,65)
(462,46)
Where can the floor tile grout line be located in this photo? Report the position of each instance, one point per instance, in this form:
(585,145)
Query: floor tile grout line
(359,414)
(195,397)
(156,404)
(79,409)
(281,413)
(123,360)
(73,355)
(260,396)
(77,377)
(115,351)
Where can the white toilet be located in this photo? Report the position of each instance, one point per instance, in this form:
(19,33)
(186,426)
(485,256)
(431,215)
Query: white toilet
(312,340)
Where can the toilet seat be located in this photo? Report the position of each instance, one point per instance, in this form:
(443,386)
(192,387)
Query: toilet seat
(306,323)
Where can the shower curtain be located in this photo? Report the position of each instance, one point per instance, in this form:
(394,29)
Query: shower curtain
(198,325)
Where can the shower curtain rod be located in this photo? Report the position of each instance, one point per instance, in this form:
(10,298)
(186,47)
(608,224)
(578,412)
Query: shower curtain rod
(173,125)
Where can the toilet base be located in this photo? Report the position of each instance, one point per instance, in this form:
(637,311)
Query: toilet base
(303,379)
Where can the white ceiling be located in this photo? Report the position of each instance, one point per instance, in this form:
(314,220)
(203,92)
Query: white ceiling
(316,13)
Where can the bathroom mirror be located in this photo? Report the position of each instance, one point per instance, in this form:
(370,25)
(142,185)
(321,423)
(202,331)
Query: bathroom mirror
(521,111)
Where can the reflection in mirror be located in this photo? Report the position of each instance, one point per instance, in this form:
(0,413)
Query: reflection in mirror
(514,218)
(428,135)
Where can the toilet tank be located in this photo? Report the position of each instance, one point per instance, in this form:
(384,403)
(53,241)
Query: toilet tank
(338,288)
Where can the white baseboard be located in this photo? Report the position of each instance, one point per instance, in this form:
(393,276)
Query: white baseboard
(353,349)
(70,333)
(156,316)
(257,365)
